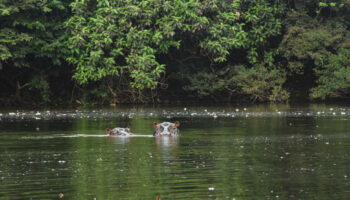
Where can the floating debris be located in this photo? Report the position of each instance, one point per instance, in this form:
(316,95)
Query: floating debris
(172,113)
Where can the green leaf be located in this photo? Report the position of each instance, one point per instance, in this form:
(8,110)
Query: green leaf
(322,4)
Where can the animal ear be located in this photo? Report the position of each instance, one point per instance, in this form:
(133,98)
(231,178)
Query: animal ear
(155,124)
(108,131)
(177,123)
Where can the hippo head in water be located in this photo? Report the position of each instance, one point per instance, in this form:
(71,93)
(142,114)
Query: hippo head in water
(119,131)
(166,128)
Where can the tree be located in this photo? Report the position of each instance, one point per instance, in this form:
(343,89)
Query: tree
(126,39)
(317,37)
(31,43)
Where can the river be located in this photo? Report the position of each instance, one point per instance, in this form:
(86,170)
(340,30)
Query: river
(223,152)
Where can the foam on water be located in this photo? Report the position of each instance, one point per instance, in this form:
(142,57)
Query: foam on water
(83,135)
(175,113)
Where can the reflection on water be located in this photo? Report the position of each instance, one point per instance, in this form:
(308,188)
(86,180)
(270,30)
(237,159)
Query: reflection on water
(258,153)
(165,142)
(117,140)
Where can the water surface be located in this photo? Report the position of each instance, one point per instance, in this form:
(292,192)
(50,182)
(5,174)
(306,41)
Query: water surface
(228,152)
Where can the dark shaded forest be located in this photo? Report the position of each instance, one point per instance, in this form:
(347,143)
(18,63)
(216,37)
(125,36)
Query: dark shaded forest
(94,52)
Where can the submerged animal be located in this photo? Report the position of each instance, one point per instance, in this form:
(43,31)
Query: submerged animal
(119,131)
(166,128)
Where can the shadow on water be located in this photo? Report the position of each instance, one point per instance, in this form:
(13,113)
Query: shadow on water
(257,152)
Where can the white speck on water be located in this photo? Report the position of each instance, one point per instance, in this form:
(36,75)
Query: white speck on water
(11,113)
(37,113)
(62,161)
(245,109)
(331,109)
(342,113)
(241,147)
(237,110)
(211,188)
(326,142)
(185,109)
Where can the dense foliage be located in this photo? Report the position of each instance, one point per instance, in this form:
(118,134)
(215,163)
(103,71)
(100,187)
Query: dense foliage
(32,36)
(105,51)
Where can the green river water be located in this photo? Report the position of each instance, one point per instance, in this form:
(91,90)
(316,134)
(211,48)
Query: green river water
(227,152)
